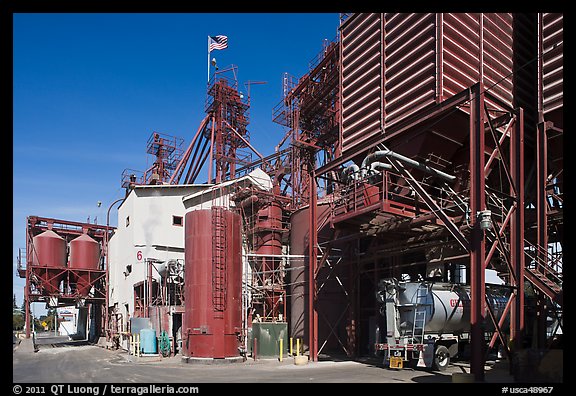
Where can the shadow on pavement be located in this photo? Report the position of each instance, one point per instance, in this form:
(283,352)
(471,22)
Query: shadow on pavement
(434,378)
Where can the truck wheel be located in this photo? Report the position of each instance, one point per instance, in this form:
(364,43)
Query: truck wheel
(441,358)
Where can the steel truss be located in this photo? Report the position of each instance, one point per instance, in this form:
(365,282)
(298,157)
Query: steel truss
(453,211)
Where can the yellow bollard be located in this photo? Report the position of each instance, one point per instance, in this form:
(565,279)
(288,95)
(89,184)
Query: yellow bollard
(291,349)
(281,342)
(138,345)
(297,346)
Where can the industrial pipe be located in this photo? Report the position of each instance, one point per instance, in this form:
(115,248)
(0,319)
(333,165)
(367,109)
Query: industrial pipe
(379,166)
(408,161)
(353,170)
(249,202)
(350,171)
(106,241)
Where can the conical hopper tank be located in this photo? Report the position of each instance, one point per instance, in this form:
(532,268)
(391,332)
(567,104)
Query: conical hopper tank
(84,258)
(49,256)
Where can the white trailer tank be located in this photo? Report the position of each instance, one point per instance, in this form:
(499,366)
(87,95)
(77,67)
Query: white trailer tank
(447,305)
(425,321)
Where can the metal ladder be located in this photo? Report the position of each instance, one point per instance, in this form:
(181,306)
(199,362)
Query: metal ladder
(419,315)
(218,259)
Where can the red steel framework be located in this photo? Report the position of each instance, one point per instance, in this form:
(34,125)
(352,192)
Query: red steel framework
(431,106)
(222,139)
(310,111)
(83,283)
(266,229)
(487,160)
(429,207)
(167,151)
(545,270)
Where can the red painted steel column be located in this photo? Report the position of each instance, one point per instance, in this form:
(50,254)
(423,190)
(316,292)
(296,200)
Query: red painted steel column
(312,241)
(542,218)
(517,230)
(27,302)
(211,152)
(27,284)
(477,243)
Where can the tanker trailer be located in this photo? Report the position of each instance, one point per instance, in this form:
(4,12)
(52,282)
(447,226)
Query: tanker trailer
(427,321)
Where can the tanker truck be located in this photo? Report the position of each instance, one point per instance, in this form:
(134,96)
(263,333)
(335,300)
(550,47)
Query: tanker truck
(428,323)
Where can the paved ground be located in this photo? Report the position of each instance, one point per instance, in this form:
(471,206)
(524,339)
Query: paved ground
(74,362)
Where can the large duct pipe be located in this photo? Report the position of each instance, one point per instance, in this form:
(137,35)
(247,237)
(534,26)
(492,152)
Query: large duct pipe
(371,164)
(353,171)
(350,171)
(382,154)
(247,203)
(379,166)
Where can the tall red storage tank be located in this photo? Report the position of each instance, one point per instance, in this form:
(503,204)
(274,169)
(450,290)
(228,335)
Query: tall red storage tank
(84,257)
(49,253)
(212,319)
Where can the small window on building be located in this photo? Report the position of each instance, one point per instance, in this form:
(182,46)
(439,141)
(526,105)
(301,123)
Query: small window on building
(127,221)
(177,220)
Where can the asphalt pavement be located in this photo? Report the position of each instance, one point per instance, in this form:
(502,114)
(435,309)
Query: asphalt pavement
(64,361)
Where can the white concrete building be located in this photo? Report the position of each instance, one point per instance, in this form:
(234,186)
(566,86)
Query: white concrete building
(151,228)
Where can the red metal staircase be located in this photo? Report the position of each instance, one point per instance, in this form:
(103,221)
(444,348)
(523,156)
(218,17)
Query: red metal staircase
(544,274)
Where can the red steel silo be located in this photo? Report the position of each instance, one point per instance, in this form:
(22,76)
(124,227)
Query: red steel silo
(213,284)
(84,258)
(49,253)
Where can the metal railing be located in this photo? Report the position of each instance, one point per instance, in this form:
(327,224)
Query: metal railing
(550,267)
(326,44)
(21,260)
(391,188)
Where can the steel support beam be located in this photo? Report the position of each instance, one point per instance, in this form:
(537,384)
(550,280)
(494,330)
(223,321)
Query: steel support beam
(312,264)
(431,203)
(27,284)
(27,301)
(501,323)
(212,137)
(499,235)
(175,179)
(517,231)
(542,217)
(477,243)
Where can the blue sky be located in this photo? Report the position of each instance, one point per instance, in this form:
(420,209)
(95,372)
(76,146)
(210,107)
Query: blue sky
(89,89)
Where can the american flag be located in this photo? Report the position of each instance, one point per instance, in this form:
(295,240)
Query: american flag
(217,42)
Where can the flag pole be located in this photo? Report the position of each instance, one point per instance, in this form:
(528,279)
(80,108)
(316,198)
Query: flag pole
(207,81)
